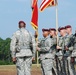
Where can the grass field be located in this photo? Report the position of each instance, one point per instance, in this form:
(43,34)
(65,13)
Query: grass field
(11,70)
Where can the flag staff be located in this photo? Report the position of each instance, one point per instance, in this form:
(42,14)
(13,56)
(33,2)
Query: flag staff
(37,53)
(57,22)
(36,39)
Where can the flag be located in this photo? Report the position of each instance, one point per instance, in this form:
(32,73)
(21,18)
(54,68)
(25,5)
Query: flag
(34,20)
(45,4)
(54,3)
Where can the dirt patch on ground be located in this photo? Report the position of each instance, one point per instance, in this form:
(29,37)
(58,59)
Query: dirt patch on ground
(11,70)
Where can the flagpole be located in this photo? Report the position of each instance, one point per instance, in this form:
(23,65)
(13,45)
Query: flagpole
(57,22)
(36,33)
(37,59)
(37,54)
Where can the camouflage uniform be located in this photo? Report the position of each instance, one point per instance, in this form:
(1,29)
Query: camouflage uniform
(60,56)
(65,58)
(74,49)
(74,55)
(23,48)
(46,56)
(54,42)
(68,55)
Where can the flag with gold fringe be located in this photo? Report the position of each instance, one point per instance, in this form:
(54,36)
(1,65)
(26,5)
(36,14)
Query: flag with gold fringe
(34,20)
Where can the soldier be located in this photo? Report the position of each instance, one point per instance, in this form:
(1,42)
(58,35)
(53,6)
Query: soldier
(53,37)
(74,53)
(46,55)
(23,49)
(60,53)
(69,49)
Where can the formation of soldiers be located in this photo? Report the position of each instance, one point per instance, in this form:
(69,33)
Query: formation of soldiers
(57,55)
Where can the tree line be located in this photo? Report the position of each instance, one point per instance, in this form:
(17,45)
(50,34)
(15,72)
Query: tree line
(5,56)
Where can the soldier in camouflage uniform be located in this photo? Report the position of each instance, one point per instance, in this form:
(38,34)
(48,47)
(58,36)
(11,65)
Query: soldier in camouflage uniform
(60,53)
(69,49)
(54,41)
(23,49)
(74,53)
(46,55)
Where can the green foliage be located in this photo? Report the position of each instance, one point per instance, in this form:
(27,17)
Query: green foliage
(5,62)
(5,57)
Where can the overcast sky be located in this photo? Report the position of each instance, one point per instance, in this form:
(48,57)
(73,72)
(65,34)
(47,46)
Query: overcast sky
(12,11)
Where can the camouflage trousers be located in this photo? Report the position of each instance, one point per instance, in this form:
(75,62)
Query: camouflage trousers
(73,64)
(60,70)
(23,65)
(68,66)
(55,67)
(65,66)
(46,66)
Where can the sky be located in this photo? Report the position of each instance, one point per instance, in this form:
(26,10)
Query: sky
(12,11)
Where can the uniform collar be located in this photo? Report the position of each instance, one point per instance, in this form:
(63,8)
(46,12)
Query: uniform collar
(22,29)
(69,35)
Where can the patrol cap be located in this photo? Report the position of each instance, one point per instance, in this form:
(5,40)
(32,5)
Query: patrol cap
(53,29)
(45,29)
(61,28)
(68,26)
(22,22)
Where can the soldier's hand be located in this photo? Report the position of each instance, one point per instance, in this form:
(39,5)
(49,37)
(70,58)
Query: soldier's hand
(58,47)
(37,48)
(72,59)
(66,48)
(33,59)
(36,44)
(14,60)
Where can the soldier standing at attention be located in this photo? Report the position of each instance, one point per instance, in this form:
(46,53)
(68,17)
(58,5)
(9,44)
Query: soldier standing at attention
(69,49)
(54,42)
(60,53)
(46,55)
(23,49)
(74,52)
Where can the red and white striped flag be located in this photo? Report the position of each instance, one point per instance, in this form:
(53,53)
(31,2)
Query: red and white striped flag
(46,3)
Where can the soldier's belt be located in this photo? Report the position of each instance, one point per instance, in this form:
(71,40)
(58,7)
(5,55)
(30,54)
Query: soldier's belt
(47,58)
(44,52)
(24,47)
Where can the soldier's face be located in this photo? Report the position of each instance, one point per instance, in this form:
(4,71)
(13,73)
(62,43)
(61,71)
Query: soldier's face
(52,33)
(45,33)
(21,25)
(68,30)
(62,32)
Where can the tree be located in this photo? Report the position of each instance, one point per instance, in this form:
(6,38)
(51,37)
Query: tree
(5,50)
